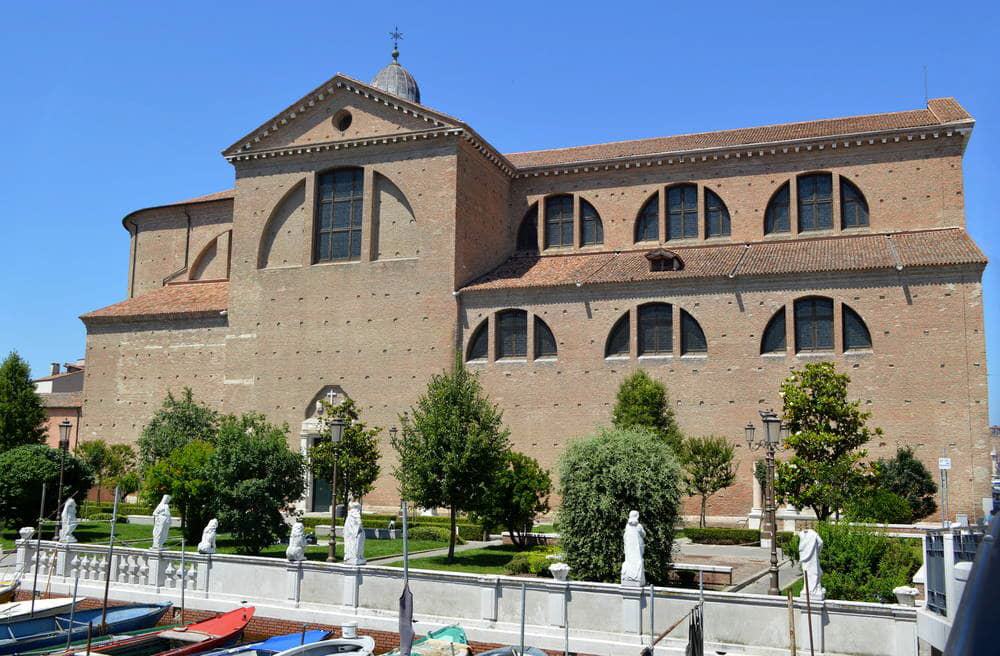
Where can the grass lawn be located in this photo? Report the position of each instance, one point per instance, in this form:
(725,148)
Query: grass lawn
(795,587)
(488,560)
(544,528)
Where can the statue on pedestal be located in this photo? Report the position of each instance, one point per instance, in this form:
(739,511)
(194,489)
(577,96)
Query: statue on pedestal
(207,544)
(296,550)
(633,570)
(354,536)
(810,546)
(69,522)
(161,523)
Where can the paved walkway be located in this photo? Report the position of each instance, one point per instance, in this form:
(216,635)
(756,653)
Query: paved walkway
(436,552)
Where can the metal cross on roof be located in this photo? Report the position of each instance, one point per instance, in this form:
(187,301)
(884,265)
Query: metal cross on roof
(396,37)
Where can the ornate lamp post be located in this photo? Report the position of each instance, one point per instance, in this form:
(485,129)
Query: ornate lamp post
(64,428)
(774,434)
(336,425)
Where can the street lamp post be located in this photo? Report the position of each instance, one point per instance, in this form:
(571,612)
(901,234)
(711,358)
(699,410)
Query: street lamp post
(774,433)
(64,428)
(336,425)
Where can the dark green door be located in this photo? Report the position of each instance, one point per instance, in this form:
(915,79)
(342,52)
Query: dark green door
(321,495)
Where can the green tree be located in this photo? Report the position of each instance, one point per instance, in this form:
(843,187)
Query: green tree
(24,469)
(827,432)
(878,505)
(642,403)
(108,462)
(906,476)
(708,468)
(520,493)
(177,422)
(356,454)
(187,477)
(21,413)
(452,446)
(258,480)
(602,478)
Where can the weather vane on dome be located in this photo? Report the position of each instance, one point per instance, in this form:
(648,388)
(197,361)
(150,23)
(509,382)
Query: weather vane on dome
(396,37)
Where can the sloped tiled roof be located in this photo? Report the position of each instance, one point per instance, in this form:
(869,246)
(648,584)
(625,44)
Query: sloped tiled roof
(180,300)
(62,400)
(948,246)
(939,111)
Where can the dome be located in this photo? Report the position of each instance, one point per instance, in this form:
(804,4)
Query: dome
(396,80)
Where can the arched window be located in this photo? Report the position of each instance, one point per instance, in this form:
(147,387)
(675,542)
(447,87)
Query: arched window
(527,234)
(815,202)
(773,340)
(656,329)
(716,215)
(618,339)
(647,226)
(338,220)
(545,341)
(692,336)
(512,334)
(856,335)
(776,217)
(814,324)
(682,212)
(853,206)
(591,229)
(479,344)
(559,221)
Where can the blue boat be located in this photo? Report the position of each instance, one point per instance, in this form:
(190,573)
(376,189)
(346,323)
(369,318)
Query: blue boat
(25,635)
(273,645)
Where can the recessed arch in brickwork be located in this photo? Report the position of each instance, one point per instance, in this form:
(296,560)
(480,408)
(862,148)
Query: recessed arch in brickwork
(281,238)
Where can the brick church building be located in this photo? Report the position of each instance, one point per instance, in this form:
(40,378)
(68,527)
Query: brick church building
(368,236)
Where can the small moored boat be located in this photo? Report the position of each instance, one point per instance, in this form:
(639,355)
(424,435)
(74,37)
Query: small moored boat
(15,611)
(273,645)
(511,650)
(35,633)
(360,646)
(446,641)
(8,589)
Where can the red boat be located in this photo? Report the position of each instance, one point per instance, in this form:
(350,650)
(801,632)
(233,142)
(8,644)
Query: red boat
(195,638)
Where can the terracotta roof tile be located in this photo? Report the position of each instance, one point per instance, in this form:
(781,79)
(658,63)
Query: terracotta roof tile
(62,400)
(940,111)
(950,246)
(179,300)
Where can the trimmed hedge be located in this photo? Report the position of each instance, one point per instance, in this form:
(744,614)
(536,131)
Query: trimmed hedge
(722,535)
(535,562)
(88,509)
(466,530)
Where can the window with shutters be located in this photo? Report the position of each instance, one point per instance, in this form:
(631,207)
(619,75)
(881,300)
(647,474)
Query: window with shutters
(656,329)
(814,324)
(512,334)
(682,212)
(815,193)
(338,221)
(559,221)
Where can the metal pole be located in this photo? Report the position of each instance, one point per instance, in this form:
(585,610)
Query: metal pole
(107,573)
(38,550)
(773,588)
(90,634)
(331,556)
(792,651)
(945,522)
(524,596)
(406,548)
(62,462)
(809,612)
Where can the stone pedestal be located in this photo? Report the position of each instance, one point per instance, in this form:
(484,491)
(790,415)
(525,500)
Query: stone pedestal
(352,583)
(489,597)
(157,569)
(816,619)
(632,604)
(294,571)
(204,572)
(64,557)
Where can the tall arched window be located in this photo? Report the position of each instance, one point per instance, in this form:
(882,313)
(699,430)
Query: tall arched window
(853,206)
(814,324)
(692,336)
(559,221)
(647,225)
(716,215)
(338,215)
(479,343)
(776,218)
(682,212)
(545,341)
(512,334)
(656,329)
(618,339)
(773,340)
(856,334)
(527,234)
(591,229)
(815,202)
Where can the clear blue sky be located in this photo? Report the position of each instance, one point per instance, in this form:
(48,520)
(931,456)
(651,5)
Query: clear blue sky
(112,106)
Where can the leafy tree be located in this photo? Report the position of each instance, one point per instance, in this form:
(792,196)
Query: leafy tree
(356,454)
(176,423)
(108,462)
(827,432)
(642,403)
(708,468)
(906,476)
(21,413)
(878,505)
(452,446)
(258,479)
(185,475)
(520,493)
(23,469)
(602,478)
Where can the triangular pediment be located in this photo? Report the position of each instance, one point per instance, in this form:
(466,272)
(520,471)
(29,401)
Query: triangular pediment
(319,118)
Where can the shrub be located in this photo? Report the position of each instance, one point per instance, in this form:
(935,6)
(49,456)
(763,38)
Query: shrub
(22,472)
(519,493)
(106,517)
(605,476)
(642,403)
(907,477)
(186,475)
(433,533)
(879,506)
(177,422)
(535,562)
(722,535)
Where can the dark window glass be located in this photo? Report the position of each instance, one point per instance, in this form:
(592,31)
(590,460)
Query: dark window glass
(512,334)
(618,338)
(776,217)
(479,344)
(856,335)
(656,329)
(814,324)
(682,212)
(692,336)
(647,226)
(774,334)
(716,215)
(559,221)
(338,225)
(815,202)
(591,229)
(527,234)
(545,341)
(853,206)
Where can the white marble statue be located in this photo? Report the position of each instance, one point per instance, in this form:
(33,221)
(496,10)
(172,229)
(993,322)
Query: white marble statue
(207,544)
(69,521)
(810,545)
(296,550)
(161,523)
(633,570)
(354,536)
